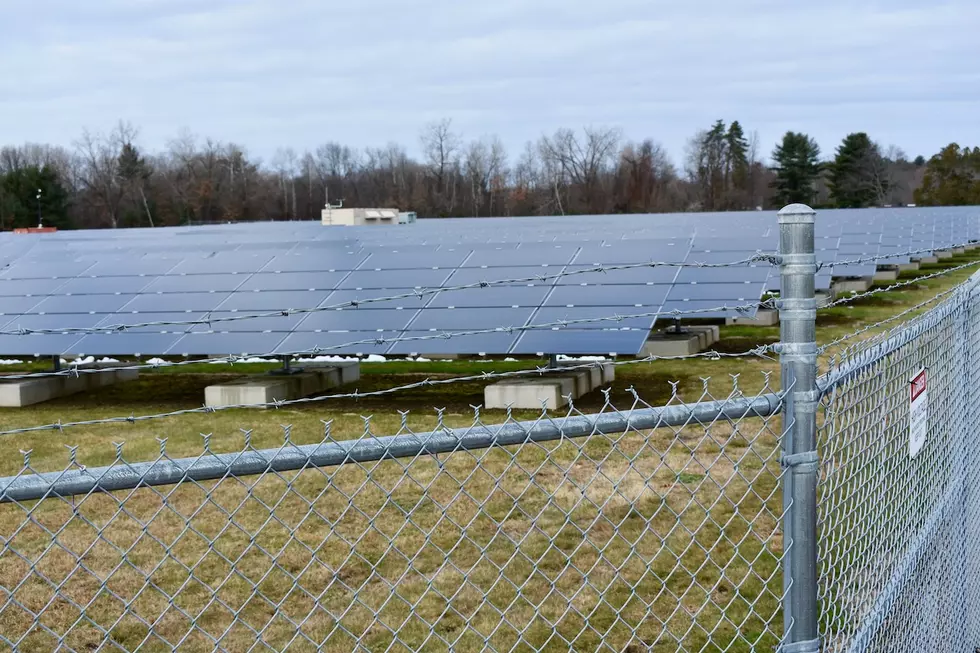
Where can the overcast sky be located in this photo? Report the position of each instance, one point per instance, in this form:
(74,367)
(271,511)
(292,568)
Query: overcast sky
(272,73)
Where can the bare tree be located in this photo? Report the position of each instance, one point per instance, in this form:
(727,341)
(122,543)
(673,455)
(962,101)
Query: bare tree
(100,174)
(584,163)
(441,147)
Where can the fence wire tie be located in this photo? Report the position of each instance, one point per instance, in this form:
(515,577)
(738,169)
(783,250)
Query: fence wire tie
(806,461)
(810,646)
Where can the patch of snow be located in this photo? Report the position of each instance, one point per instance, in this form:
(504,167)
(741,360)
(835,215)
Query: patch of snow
(375,358)
(157,361)
(11,361)
(510,360)
(563,358)
(328,359)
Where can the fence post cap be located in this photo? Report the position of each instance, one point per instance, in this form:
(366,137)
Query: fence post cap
(796,213)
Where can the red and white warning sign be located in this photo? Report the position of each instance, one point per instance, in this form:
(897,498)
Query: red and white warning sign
(918,414)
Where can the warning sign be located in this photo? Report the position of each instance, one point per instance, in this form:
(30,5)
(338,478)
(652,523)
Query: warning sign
(918,414)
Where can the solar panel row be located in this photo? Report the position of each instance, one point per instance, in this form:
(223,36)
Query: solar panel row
(105,278)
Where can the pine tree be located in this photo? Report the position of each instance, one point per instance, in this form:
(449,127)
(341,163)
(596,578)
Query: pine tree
(19,198)
(952,178)
(135,172)
(738,157)
(858,176)
(714,175)
(797,169)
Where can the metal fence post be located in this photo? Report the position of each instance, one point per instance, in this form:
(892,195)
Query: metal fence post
(798,369)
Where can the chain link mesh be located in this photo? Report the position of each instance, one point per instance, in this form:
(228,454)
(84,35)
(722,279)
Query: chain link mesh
(663,539)
(897,572)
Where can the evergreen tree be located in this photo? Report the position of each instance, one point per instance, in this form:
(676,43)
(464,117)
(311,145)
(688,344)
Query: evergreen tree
(737,150)
(797,169)
(952,178)
(19,198)
(715,159)
(858,174)
(135,173)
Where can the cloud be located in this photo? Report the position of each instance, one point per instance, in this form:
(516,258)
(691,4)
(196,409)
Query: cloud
(271,73)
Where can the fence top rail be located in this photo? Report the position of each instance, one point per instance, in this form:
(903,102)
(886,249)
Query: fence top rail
(122,475)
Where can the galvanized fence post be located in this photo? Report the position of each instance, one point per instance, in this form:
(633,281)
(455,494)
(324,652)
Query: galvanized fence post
(798,369)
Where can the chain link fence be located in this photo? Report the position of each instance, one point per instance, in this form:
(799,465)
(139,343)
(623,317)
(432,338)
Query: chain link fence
(632,529)
(898,523)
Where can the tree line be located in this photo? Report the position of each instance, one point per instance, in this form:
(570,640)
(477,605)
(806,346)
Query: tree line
(105,180)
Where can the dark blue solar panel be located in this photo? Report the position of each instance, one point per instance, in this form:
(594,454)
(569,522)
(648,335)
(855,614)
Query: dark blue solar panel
(83,303)
(645,275)
(175,302)
(528,255)
(195,283)
(393,279)
(102,285)
(581,342)
(311,261)
(468,319)
(108,344)
(366,342)
(606,317)
(357,319)
(38,345)
(276,300)
(540,275)
(496,296)
(484,343)
(225,342)
(730,292)
(642,296)
(293,281)
(14,288)
(740,274)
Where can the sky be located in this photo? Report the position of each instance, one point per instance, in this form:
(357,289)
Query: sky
(297,73)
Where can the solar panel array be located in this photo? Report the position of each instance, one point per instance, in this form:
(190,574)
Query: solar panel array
(86,279)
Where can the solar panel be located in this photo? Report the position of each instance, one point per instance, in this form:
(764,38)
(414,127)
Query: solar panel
(82,279)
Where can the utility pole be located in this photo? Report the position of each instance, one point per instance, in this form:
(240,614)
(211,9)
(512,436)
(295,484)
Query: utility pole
(39,225)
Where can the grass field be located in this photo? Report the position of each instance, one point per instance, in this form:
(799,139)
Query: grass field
(634,542)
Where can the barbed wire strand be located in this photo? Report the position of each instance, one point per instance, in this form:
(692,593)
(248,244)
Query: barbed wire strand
(894,318)
(883,257)
(416,293)
(901,284)
(76,370)
(759,352)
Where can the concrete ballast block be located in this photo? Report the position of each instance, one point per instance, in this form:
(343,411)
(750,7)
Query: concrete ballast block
(860,284)
(672,344)
(531,394)
(27,392)
(886,274)
(553,390)
(763,317)
(310,380)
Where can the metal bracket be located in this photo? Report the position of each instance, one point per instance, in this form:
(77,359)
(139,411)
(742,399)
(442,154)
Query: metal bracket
(811,646)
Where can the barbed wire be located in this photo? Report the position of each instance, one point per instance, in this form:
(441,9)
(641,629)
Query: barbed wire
(882,257)
(888,320)
(377,341)
(902,284)
(416,293)
(757,352)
